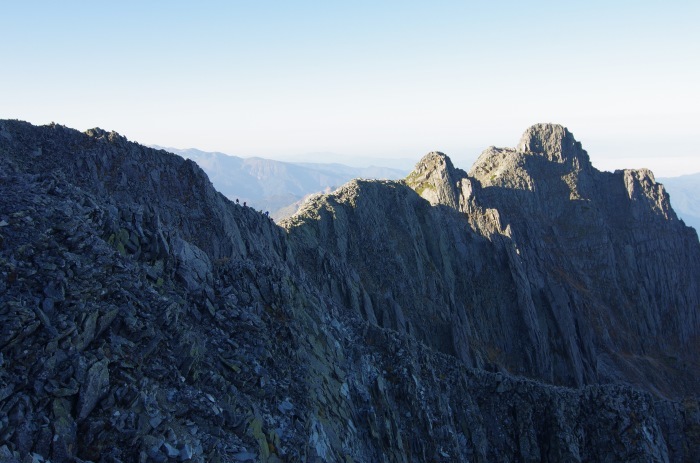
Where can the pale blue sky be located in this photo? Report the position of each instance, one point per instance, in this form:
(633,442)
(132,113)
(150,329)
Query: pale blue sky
(384,79)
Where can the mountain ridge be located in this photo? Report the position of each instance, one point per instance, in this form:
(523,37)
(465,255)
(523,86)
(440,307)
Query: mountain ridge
(275,186)
(526,204)
(145,317)
(239,181)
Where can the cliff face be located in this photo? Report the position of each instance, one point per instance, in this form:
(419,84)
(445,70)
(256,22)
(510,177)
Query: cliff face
(604,251)
(592,270)
(379,249)
(144,317)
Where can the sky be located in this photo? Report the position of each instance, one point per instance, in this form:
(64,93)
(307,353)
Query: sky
(363,81)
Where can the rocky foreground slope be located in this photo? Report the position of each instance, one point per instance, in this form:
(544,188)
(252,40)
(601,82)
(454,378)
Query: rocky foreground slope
(144,317)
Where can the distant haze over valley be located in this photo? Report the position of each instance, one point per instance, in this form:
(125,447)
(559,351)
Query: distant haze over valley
(405,163)
(685,197)
(277,187)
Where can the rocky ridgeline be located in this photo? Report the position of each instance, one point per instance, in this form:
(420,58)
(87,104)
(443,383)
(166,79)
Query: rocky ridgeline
(144,317)
(592,270)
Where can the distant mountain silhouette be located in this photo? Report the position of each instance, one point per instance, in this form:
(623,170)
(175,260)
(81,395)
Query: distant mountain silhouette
(685,197)
(276,186)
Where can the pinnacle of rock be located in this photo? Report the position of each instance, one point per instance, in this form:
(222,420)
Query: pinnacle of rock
(101,134)
(435,158)
(96,132)
(555,142)
(436,179)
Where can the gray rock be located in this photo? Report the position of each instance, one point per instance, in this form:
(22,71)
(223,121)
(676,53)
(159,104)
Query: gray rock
(285,406)
(244,456)
(170,450)
(152,446)
(95,387)
(6,455)
(186,452)
(194,267)
(389,323)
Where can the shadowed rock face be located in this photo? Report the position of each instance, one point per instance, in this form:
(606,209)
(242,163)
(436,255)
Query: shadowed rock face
(538,263)
(604,252)
(144,317)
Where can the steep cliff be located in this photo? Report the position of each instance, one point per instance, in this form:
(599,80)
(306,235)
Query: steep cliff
(144,317)
(603,251)
(591,271)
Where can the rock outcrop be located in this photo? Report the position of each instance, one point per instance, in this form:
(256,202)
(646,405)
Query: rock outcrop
(592,270)
(604,252)
(144,317)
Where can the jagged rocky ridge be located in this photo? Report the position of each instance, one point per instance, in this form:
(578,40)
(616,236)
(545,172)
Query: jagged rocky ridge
(275,186)
(592,270)
(144,317)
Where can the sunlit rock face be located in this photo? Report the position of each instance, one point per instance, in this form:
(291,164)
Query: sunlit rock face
(533,309)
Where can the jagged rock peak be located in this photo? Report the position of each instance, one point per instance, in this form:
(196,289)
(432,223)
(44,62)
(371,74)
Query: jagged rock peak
(553,141)
(436,179)
(436,164)
(111,136)
(434,159)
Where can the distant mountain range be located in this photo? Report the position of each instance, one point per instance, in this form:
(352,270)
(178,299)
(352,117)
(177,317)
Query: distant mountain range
(685,197)
(276,186)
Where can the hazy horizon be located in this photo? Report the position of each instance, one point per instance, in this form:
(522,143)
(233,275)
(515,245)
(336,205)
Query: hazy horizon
(386,81)
(462,162)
